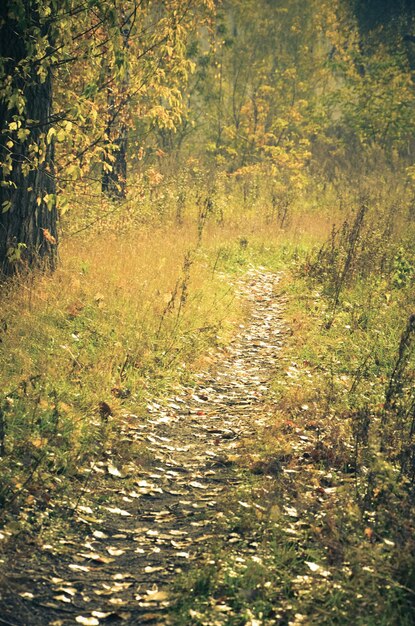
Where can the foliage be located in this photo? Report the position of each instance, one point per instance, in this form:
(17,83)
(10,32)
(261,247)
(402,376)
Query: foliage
(168,147)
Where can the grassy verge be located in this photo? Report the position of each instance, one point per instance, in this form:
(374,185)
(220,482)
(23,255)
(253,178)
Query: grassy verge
(326,531)
(128,316)
(325,534)
(123,319)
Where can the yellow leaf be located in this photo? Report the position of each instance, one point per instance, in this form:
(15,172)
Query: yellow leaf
(38,442)
(50,134)
(87,621)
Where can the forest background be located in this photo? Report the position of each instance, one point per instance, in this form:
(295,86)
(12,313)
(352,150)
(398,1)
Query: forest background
(150,149)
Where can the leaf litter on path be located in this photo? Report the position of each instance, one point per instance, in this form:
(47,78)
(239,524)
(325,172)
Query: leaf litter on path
(134,540)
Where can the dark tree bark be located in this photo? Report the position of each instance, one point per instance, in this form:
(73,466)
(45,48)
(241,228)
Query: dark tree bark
(28,223)
(114,181)
(114,176)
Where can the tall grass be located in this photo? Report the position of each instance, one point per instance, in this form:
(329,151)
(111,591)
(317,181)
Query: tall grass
(123,317)
(342,430)
(140,296)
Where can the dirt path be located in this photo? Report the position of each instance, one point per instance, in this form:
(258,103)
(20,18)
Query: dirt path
(136,540)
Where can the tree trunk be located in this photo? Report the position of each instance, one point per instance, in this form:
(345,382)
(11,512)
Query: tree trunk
(28,222)
(114,175)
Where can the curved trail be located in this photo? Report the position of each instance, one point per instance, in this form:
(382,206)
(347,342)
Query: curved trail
(141,537)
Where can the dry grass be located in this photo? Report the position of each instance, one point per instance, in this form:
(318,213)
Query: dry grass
(132,309)
(123,318)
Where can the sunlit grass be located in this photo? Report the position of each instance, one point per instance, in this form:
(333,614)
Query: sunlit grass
(137,307)
(129,313)
(122,316)
(354,505)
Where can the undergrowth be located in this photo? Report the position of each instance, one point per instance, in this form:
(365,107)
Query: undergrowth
(122,319)
(330,482)
(132,312)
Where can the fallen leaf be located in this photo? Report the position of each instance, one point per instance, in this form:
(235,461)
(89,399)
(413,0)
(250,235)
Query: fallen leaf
(151,570)
(291,511)
(313,566)
(115,551)
(62,598)
(94,556)
(70,591)
(114,471)
(79,568)
(85,509)
(157,596)
(87,621)
(98,534)
(118,511)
